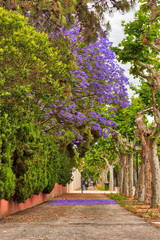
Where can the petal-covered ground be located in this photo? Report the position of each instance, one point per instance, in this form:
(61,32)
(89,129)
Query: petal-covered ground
(69,222)
(81,201)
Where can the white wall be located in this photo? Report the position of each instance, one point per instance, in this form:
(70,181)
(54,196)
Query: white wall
(76,183)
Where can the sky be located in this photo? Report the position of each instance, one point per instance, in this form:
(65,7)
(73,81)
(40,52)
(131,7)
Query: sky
(117,35)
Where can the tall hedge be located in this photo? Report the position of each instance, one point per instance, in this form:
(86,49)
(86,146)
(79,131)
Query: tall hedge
(30,72)
(7,147)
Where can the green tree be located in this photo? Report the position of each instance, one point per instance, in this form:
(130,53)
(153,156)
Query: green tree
(31,73)
(101,157)
(140,47)
(64,12)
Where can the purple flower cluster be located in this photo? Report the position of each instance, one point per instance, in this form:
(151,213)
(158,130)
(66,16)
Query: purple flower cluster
(95,83)
(81,201)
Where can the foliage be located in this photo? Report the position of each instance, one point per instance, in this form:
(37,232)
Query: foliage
(50,106)
(63,12)
(133,48)
(52,163)
(29,157)
(125,118)
(90,172)
(64,171)
(7,182)
(94,161)
(140,47)
(100,188)
(96,81)
(7,177)
(37,163)
(29,161)
(70,108)
(144,92)
(116,197)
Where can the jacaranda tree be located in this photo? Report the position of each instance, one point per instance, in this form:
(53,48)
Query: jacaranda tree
(47,101)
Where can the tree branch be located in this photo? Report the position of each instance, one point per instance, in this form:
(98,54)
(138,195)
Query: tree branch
(135,136)
(116,161)
(139,121)
(155,110)
(107,162)
(155,12)
(155,74)
(155,46)
(157,136)
(145,41)
(116,148)
(143,75)
(145,110)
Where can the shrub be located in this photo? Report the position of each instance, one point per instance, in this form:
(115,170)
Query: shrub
(52,162)
(64,168)
(30,70)
(7,182)
(29,161)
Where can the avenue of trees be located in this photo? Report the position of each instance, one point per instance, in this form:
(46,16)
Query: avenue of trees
(63,97)
(140,47)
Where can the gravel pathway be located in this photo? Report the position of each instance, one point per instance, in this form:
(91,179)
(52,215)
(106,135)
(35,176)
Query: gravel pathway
(77,222)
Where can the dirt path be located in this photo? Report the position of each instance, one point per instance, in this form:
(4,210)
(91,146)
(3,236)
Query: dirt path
(76,222)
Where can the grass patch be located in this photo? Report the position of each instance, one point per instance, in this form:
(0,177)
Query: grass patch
(155,216)
(136,207)
(100,188)
(128,208)
(150,214)
(140,214)
(134,211)
(116,197)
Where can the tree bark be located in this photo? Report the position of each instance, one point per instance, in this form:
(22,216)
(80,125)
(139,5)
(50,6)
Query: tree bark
(111,180)
(122,173)
(148,176)
(131,175)
(155,168)
(149,140)
(126,180)
(140,184)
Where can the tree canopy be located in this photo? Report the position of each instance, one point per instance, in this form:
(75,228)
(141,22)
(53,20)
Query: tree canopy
(51,106)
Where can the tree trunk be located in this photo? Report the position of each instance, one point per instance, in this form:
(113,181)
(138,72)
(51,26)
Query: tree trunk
(148,190)
(124,172)
(155,168)
(131,175)
(126,181)
(111,180)
(144,137)
(118,180)
(121,172)
(140,184)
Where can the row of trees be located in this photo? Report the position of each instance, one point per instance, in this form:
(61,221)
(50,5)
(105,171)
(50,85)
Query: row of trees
(62,90)
(54,83)
(141,48)
(143,35)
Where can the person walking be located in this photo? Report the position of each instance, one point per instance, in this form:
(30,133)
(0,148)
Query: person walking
(94,184)
(82,184)
(86,184)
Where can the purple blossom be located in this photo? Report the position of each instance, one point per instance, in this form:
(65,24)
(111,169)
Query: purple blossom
(98,81)
(81,201)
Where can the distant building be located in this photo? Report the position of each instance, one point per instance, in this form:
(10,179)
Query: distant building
(76,183)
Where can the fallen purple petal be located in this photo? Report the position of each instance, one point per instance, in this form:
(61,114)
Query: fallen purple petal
(81,201)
